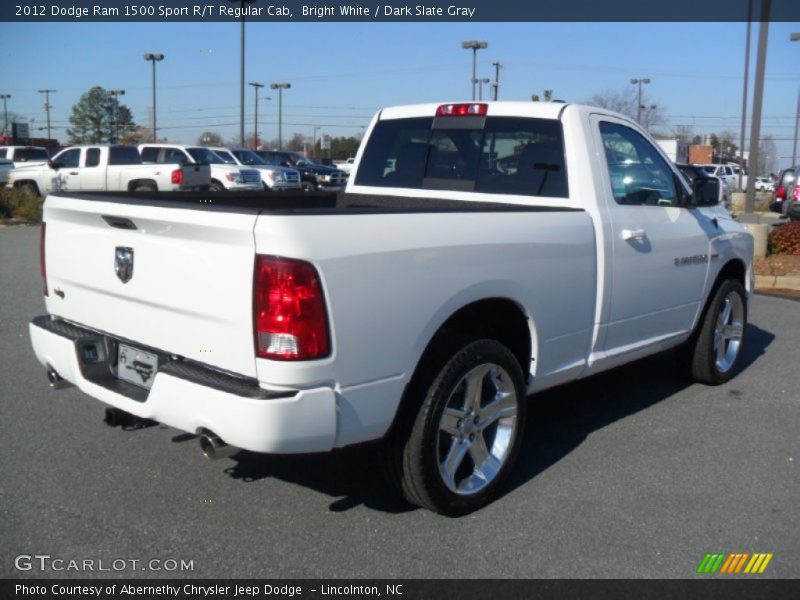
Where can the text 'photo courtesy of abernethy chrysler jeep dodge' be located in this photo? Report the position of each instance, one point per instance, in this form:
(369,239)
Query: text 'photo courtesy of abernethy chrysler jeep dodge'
(480,253)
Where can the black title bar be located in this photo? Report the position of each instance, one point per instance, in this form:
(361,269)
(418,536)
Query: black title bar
(360,11)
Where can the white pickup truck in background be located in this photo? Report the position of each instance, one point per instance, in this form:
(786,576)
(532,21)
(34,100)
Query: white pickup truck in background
(25,155)
(98,168)
(223,176)
(481,252)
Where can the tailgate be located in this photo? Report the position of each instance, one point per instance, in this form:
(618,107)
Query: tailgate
(196,175)
(191,286)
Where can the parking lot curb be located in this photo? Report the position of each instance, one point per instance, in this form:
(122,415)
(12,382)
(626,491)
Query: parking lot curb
(780,282)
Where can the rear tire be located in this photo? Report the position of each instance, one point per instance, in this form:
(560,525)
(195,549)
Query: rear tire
(453,456)
(29,188)
(712,355)
(145,188)
(216,186)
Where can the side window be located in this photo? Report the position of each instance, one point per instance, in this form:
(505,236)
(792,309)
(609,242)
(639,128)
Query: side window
(728,171)
(149,154)
(3,153)
(92,157)
(639,176)
(70,158)
(174,155)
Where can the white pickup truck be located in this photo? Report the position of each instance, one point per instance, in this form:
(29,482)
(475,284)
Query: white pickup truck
(223,176)
(481,252)
(95,168)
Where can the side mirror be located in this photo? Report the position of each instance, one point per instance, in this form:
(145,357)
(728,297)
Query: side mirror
(54,165)
(705,191)
(285,163)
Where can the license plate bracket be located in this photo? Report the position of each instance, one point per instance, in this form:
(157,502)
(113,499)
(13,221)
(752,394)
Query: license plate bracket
(136,366)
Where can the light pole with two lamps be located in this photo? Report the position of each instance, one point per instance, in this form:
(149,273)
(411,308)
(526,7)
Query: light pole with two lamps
(154,58)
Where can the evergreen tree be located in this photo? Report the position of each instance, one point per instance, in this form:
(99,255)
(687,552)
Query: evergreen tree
(99,117)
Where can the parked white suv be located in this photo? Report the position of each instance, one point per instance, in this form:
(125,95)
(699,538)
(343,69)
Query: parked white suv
(274,177)
(223,176)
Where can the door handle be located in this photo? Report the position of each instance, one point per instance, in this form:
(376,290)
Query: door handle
(633,234)
(73,172)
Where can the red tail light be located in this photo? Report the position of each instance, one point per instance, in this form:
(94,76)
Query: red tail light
(781,193)
(290,319)
(177,176)
(796,193)
(42,266)
(472,109)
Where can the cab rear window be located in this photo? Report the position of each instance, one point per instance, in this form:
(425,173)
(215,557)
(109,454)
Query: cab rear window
(509,155)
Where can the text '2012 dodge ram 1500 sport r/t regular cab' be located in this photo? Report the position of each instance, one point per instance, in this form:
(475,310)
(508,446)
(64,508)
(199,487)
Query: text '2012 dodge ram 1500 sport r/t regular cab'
(482,252)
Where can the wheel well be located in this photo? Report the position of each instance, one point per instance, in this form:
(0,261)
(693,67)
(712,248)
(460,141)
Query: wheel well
(733,269)
(494,318)
(499,319)
(132,185)
(25,182)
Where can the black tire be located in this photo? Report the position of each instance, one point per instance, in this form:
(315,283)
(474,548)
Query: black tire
(216,186)
(420,448)
(144,188)
(29,188)
(701,355)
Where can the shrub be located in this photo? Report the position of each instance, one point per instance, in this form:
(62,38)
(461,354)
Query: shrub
(785,239)
(20,205)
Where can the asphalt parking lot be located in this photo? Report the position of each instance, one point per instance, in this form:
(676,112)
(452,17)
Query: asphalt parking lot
(632,473)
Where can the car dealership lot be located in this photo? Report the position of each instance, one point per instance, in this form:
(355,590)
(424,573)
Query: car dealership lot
(632,473)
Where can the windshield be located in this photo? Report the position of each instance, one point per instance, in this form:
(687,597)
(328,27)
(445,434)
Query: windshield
(204,156)
(226,156)
(247,157)
(29,154)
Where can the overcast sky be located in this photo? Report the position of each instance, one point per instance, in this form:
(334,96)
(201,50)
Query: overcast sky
(341,73)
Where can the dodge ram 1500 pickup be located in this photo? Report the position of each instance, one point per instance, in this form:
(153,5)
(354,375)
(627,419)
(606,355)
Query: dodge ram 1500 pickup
(481,252)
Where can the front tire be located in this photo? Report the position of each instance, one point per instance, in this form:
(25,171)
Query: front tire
(717,348)
(463,442)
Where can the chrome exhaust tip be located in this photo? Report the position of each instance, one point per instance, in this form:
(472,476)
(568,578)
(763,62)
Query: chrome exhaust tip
(213,447)
(56,381)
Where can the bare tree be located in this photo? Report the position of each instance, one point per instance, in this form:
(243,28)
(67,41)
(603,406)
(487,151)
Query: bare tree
(209,138)
(625,102)
(767,156)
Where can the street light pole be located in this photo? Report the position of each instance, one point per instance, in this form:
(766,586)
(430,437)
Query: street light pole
(474,45)
(639,81)
(758,99)
(496,85)
(480,86)
(5,98)
(256,87)
(314,149)
(47,107)
(280,87)
(795,37)
(154,58)
(115,94)
(744,90)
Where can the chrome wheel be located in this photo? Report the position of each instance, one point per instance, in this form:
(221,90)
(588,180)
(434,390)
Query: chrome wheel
(728,332)
(477,429)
